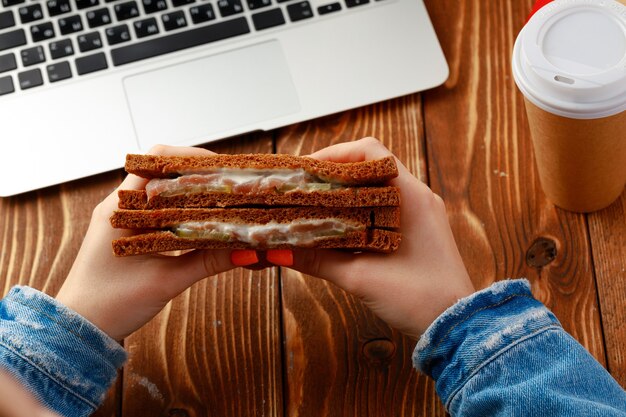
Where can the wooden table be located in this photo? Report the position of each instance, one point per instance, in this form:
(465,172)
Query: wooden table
(276,343)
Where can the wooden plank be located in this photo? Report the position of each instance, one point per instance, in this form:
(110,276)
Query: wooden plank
(608,241)
(340,360)
(215,349)
(40,234)
(481,162)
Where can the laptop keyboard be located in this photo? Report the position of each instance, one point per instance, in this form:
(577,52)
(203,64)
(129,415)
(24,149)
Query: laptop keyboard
(50,41)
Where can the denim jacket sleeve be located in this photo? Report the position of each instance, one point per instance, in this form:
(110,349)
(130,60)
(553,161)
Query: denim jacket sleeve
(64,360)
(500,352)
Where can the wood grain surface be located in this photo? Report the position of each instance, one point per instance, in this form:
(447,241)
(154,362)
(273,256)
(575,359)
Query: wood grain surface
(278,343)
(608,241)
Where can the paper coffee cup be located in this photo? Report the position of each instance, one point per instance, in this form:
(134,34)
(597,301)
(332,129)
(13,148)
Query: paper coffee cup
(569,62)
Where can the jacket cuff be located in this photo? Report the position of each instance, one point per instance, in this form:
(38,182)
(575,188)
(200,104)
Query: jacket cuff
(476,330)
(63,359)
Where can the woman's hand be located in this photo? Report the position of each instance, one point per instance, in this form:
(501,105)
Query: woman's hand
(411,287)
(119,295)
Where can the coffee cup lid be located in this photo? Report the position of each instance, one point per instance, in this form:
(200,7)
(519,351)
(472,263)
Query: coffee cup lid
(570,58)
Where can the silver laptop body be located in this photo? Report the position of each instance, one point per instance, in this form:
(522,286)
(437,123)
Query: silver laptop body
(231,74)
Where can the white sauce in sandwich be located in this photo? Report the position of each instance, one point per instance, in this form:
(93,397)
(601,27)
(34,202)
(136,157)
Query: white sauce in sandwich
(243,175)
(238,181)
(302,232)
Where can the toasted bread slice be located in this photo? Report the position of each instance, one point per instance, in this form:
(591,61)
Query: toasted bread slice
(373,240)
(374,217)
(342,197)
(350,173)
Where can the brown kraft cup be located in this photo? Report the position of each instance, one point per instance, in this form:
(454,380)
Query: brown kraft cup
(581,162)
(569,62)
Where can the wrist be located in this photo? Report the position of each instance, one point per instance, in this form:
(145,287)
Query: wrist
(81,305)
(442,297)
(438,307)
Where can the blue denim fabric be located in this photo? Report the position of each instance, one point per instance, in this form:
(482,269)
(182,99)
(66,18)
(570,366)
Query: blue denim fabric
(500,352)
(63,359)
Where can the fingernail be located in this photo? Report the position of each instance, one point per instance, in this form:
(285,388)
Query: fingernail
(280,257)
(244,257)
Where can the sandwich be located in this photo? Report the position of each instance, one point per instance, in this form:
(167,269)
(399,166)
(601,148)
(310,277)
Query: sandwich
(258,180)
(258,201)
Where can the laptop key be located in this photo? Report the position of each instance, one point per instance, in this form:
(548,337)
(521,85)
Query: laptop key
(127,10)
(32,56)
(117,34)
(42,31)
(174,20)
(84,4)
(62,48)
(59,71)
(6,85)
(57,7)
(152,6)
(299,11)
(268,19)
(329,8)
(257,4)
(354,3)
(91,63)
(177,3)
(146,27)
(8,3)
(7,62)
(98,17)
(229,7)
(12,39)
(202,13)
(89,41)
(70,24)
(30,79)
(30,13)
(179,41)
(6,19)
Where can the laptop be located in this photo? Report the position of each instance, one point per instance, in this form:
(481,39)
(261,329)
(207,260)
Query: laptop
(83,82)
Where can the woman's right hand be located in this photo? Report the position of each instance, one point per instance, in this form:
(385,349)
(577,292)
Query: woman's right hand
(411,287)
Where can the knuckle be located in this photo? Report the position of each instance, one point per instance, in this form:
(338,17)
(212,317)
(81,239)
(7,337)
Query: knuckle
(372,141)
(375,144)
(439,201)
(157,150)
(210,263)
(100,211)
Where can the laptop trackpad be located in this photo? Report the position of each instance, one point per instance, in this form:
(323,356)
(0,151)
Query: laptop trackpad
(188,102)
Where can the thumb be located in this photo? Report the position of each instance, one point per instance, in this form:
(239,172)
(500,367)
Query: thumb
(187,269)
(340,268)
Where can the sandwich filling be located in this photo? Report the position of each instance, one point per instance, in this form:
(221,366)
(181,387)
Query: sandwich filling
(238,181)
(302,232)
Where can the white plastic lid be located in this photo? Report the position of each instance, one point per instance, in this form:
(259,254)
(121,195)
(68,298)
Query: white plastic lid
(570,58)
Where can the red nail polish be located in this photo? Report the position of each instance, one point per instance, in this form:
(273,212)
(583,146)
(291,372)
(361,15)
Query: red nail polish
(280,257)
(244,257)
